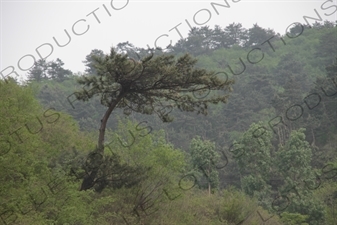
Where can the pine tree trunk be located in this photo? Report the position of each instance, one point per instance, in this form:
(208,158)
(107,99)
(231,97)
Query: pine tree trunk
(209,188)
(100,144)
(313,138)
(89,180)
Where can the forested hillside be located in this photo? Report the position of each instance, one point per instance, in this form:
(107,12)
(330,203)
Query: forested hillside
(259,148)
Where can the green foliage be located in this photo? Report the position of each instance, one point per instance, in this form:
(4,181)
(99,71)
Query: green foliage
(204,159)
(327,193)
(293,159)
(293,218)
(226,207)
(35,186)
(293,163)
(43,70)
(253,154)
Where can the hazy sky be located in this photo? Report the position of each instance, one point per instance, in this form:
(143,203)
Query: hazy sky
(26,25)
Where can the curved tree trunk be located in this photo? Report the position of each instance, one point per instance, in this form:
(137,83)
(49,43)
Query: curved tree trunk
(89,180)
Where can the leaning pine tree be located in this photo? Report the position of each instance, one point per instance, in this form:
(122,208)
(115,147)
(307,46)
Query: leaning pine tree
(142,85)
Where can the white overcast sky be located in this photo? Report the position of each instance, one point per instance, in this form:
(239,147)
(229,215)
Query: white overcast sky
(26,25)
